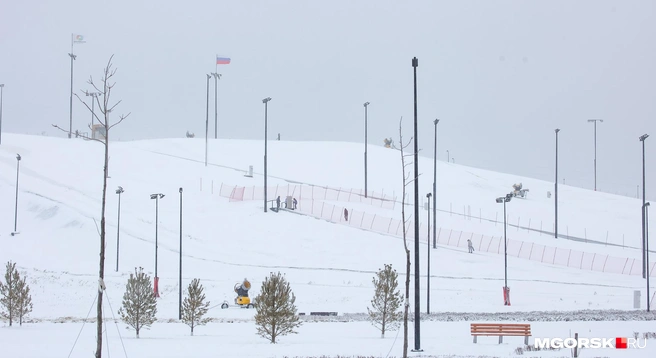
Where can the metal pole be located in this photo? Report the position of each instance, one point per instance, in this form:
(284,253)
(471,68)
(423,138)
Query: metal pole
(207,116)
(644,254)
(595,158)
(365,148)
(556,189)
(180,283)
(93,103)
(505,248)
(70,110)
(646,211)
(2,86)
(435,187)
(118,229)
(448,158)
(216,95)
(428,260)
(266,110)
(415,63)
(156,222)
(18,159)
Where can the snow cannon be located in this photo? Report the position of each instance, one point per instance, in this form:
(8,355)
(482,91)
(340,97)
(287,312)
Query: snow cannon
(242,298)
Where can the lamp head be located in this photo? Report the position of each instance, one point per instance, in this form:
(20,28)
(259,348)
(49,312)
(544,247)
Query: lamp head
(643,137)
(366,104)
(119,190)
(436,121)
(429,195)
(557,130)
(180,190)
(500,200)
(2,85)
(266,100)
(508,197)
(647,204)
(18,157)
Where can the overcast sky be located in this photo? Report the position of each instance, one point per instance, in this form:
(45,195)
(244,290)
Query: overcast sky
(500,75)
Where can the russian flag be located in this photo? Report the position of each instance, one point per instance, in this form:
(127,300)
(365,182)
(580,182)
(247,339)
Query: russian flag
(222,60)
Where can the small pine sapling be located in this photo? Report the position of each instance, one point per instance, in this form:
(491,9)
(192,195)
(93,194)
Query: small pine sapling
(384,312)
(276,313)
(139,302)
(23,300)
(9,293)
(194,306)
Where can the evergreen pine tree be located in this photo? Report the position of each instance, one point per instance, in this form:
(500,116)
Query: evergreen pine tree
(276,313)
(384,312)
(23,300)
(139,303)
(9,293)
(194,306)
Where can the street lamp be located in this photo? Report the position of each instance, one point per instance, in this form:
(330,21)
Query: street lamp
(266,110)
(180,277)
(18,159)
(428,260)
(2,85)
(644,269)
(645,210)
(217,77)
(415,64)
(366,104)
(435,186)
(448,158)
(556,188)
(207,115)
(506,290)
(595,149)
(156,197)
(93,96)
(119,191)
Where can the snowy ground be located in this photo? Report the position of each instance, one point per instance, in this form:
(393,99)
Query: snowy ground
(329,266)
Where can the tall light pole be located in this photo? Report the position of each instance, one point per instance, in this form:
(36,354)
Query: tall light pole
(180,277)
(119,191)
(156,197)
(93,96)
(207,115)
(415,63)
(595,149)
(556,188)
(266,110)
(428,260)
(366,104)
(644,254)
(18,159)
(217,77)
(506,291)
(435,187)
(448,157)
(2,86)
(645,209)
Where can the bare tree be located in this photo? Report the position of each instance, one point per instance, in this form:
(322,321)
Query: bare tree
(194,306)
(384,312)
(105,109)
(406,181)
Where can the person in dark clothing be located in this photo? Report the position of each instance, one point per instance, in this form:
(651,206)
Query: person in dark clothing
(295,202)
(345,214)
(470,246)
(278,203)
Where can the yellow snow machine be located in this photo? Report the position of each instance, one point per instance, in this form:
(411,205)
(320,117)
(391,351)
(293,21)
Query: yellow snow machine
(242,299)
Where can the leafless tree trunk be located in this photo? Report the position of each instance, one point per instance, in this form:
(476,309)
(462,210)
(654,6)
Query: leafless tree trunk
(406,182)
(105,109)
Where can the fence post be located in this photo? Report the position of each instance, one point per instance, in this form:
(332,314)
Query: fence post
(520,249)
(568,256)
(332,213)
(499,248)
(253,193)
(603,269)
(322,205)
(449,241)
(389,225)
(372,222)
(362,220)
(480,243)
(221,189)
(554,257)
(397,227)
(581,265)
(531,252)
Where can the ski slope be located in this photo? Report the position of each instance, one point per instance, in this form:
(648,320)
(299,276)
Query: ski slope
(330,266)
